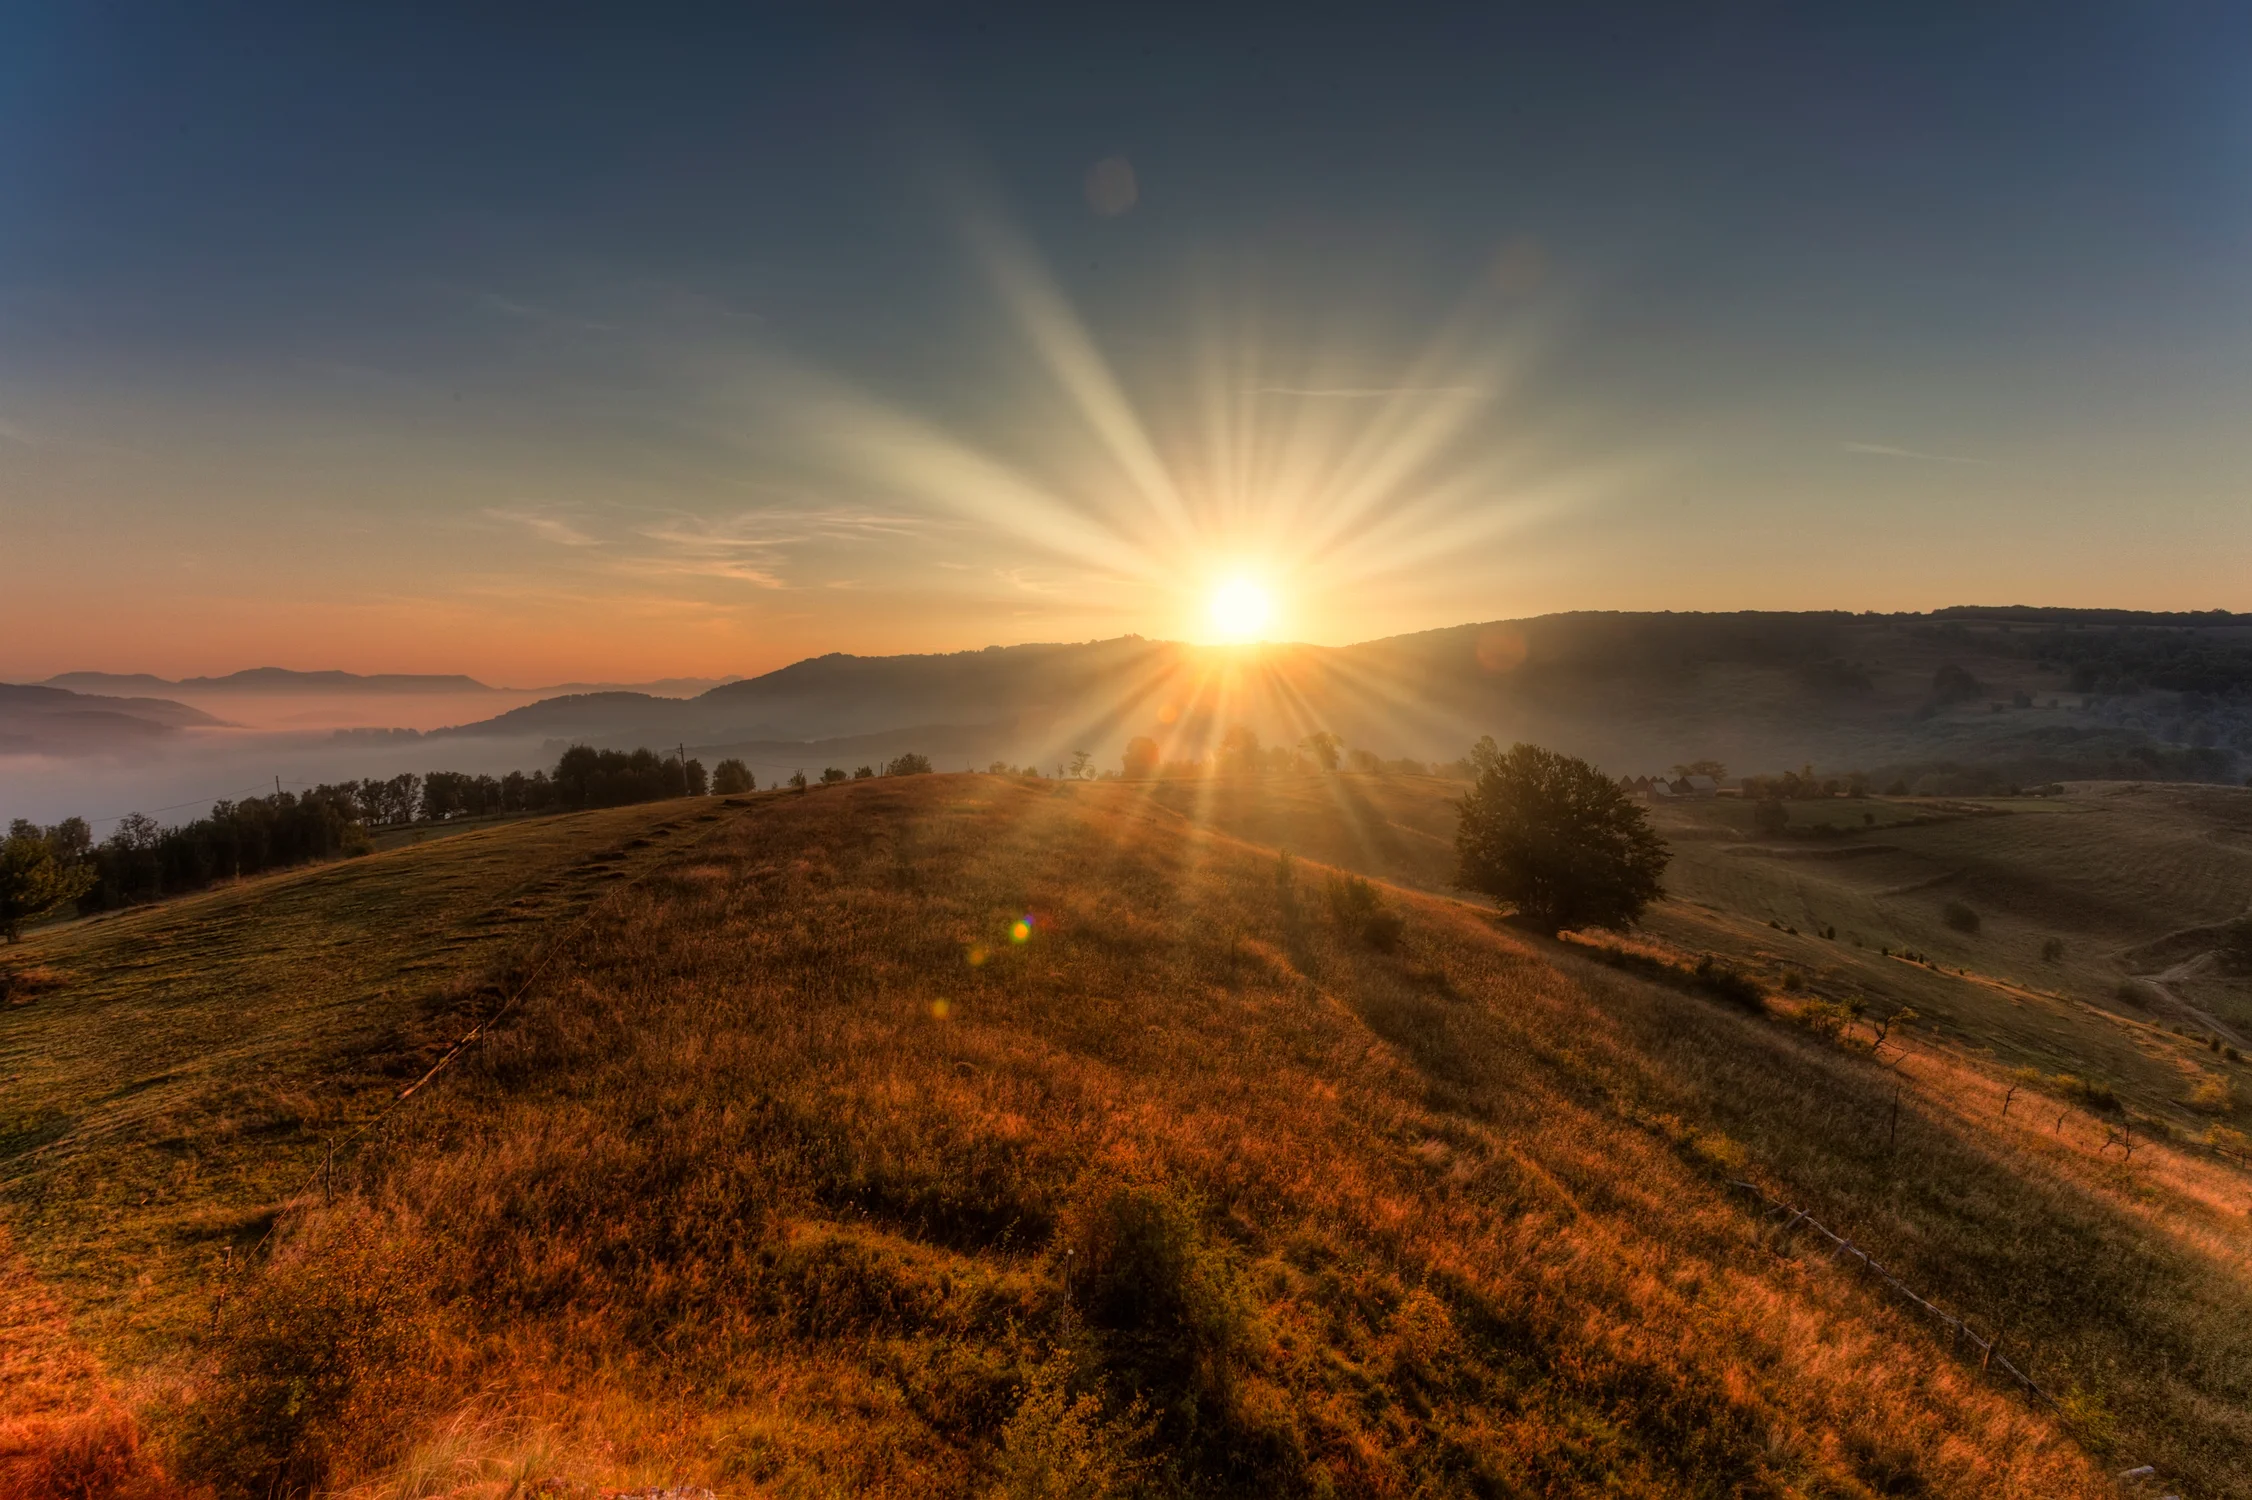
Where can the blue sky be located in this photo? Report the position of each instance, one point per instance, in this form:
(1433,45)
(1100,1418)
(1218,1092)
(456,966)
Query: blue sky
(637,342)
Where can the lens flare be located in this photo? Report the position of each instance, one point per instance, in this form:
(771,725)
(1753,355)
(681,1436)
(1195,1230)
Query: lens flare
(1241,609)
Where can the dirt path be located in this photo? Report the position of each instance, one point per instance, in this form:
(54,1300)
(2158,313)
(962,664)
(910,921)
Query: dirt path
(2189,968)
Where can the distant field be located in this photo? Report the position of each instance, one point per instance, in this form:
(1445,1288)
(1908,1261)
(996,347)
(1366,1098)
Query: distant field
(2105,872)
(949,1134)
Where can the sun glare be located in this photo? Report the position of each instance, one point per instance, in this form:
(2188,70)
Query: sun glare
(1240,610)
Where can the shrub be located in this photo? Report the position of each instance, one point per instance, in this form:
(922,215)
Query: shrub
(1825,1018)
(2134,992)
(1557,839)
(1959,917)
(2052,949)
(1770,816)
(2094,1095)
(22,985)
(321,1351)
(909,764)
(1061,1445)
(2213,1096)
(1360,910)
(1723,981)
(863,773)
(834,774)
(1166,1307)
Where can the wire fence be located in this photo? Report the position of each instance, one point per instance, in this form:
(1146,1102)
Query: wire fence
(1990,1356)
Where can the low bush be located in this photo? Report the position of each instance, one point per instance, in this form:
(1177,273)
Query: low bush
(1724,981)
(2135,993)
(1358,909)
(20,985)
(2213,1096)
(1825,1018)
(2095,1095)
(1060,1442)
(322,1349)
(1959,917)
(1168,1313)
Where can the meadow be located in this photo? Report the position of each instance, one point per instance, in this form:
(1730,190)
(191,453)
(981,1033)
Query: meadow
(957,1134)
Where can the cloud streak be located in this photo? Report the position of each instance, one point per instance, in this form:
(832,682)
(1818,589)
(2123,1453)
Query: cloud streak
(1368,392)
(545,525)
(1886,450)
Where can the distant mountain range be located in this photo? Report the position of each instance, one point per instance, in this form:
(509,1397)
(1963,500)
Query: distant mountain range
(283,680)
(2030,694)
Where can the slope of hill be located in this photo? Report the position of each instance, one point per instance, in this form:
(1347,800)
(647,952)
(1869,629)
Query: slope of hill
(38,720)
(927,1135)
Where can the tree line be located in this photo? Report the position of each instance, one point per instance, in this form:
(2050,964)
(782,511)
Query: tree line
(46,870)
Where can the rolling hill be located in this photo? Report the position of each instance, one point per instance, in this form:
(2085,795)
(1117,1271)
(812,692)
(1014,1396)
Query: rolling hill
(55,721)
(956,1134)
(1958,701)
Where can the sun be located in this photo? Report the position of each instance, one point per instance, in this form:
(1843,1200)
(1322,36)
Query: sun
(1241,608)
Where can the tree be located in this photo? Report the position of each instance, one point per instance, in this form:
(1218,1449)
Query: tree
(797,781)
(1952,684)
(1080,760)
(731,777)
(35,880)
(1324,747)
(909,764)
(831,775)
(1141,758)
(1367,762)
(1556,838)
(1712,768)
(1240,754)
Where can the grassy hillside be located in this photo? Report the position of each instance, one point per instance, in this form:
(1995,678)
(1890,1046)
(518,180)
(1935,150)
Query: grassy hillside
(955,1134)
(175,1066)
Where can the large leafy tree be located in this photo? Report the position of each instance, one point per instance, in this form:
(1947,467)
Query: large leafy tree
(1555,838)
(36,878)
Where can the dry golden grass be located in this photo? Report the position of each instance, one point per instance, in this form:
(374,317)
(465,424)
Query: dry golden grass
(63,1431)
(805,1178)
(799,1173)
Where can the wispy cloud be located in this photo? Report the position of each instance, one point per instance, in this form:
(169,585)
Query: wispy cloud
(1368,392)
(1886,450)
(529,312)
(755,546)
(546,525)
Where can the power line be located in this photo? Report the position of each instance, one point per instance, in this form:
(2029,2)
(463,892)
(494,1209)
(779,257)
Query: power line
(175,807)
